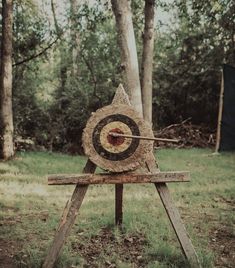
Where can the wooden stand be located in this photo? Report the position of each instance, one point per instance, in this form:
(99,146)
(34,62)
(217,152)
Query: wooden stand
(82,182)
(152,175)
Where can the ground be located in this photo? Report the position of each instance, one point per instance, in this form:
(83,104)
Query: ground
(30,212)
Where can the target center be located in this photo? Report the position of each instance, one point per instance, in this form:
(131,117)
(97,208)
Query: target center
(116,141)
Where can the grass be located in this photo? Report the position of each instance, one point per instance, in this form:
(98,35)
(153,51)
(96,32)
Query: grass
(30,212)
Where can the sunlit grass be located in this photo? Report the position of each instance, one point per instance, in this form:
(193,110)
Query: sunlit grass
(30,209)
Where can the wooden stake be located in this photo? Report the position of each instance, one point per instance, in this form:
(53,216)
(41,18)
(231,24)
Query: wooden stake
(218,135)
(118,204)
(67,220)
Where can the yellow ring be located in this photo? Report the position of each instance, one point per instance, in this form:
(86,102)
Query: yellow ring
(104,134)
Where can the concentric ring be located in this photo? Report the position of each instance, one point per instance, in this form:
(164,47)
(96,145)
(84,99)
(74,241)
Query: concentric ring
(100,148)
(112,144)
(122,154)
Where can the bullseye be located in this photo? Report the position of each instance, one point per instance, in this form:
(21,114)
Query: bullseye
(115,141)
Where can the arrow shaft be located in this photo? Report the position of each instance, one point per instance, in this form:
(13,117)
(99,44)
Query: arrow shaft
(114,134)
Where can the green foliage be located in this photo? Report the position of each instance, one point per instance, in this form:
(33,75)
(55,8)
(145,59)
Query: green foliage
(30,30)
(77,96)
(189,59)
(52,103)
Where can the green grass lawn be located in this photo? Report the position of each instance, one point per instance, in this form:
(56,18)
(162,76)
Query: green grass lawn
(30,211)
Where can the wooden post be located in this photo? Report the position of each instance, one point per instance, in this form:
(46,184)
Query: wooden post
(218,136)
(118,204)
(174,216)
(177,224)
(67,219)
(120,97)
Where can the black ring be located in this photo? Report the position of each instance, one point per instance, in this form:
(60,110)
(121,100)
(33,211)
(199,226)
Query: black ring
(115,156)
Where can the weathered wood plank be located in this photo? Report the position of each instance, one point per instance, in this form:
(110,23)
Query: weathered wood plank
(67,220)
(174,216)
(177,224)
(178,176)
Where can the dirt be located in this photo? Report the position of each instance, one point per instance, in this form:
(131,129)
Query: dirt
(7,251)
(106,247)
(8,247)
(127,248)
(223,245)
(222,239)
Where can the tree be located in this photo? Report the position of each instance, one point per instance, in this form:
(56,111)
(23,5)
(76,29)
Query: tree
(7,150)
(32,44)
(147,60)
(75,38)
(190,54)
(126,39)
(127,42)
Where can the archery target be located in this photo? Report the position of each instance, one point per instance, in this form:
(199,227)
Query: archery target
(116,154)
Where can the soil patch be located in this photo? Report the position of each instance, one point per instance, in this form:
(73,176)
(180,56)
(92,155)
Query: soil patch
(223,244)
(104,247)
(7,251)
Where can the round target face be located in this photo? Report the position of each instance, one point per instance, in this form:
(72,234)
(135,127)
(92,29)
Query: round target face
(115,148)
(111,153)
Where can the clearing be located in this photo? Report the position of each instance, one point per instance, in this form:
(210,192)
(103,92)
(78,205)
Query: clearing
(30,211)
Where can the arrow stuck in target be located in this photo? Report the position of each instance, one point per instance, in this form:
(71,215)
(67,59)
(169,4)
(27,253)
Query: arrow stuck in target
(116,135)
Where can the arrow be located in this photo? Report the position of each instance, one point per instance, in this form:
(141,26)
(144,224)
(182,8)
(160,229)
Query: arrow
(114,134)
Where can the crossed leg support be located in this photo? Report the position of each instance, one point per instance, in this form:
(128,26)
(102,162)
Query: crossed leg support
(73,206)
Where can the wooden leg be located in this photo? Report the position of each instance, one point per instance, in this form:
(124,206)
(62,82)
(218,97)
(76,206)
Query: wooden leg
(67,219)
(174,216)
(178,226)
(66,223)
(118,203)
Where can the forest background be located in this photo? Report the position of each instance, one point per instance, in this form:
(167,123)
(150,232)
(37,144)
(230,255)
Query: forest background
(66,64)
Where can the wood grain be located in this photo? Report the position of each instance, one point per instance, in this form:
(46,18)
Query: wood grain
(174,217)
(177,224)
(67,220)
(83,179)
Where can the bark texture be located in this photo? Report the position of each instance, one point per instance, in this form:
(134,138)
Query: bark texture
(75,38)
(59,32)
(147,60)
(126,39)
(7,145)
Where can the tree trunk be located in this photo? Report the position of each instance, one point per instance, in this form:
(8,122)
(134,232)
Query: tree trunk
(147,60)
(126,39)
(75,38)
(6,81)
(59,32)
